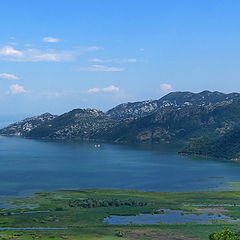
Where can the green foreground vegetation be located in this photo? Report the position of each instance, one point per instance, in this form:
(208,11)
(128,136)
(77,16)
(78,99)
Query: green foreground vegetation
(81,213)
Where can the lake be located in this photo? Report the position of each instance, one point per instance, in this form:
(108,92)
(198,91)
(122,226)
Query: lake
(170,216)
(28,166)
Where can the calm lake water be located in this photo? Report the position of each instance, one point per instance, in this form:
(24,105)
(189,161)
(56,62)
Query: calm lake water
(170,216)
(28,166)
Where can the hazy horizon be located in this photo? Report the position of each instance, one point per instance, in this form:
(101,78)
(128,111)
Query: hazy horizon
(6,119)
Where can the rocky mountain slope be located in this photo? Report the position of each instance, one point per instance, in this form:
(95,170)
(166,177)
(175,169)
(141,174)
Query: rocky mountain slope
(173,100)
(183,124)
(78,123)
(23,127)
(178,116)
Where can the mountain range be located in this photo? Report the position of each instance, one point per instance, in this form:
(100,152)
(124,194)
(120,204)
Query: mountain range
(176,117)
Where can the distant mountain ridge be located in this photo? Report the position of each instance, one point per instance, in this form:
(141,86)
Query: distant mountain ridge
(78,123)
(178,116)
(173,99)
(22,127)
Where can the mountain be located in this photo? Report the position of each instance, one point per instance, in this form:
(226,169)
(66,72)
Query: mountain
(23,127)
(78,123)
(133,110)
(224,147)
(183,124)
(174,100)
(178,116)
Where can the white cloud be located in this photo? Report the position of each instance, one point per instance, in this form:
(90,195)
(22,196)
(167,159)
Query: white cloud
(94,90)
(8,53)
(99,60)
(166,87)
(115,60)
(30,54)
(54,94)
(131,60)
(94,48)
(16,89)
(51,39)
(8,76)
(124,60)
(50,57)
(100,68)
(111,88)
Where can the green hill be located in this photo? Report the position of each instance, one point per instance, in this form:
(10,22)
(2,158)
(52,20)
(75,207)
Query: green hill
(225,147)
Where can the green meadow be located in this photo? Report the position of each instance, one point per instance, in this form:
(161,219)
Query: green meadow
(81,212)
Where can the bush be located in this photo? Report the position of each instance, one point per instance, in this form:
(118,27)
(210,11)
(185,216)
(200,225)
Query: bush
(120,234)
(94,203)
(226,234)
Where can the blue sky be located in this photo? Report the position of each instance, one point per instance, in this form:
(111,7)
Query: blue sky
(56,55)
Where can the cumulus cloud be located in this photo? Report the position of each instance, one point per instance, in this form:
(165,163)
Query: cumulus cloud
(100,68)
(16,89)
(30,54)
(94,90)
(166,87)
(8,53)
(111,88)
(9,76)
(50,39)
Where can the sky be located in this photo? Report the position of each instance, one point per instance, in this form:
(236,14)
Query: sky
(57,55)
